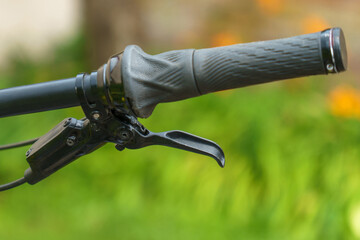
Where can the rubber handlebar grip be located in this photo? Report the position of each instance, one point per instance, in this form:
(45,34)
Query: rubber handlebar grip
(175,75)
(260,62)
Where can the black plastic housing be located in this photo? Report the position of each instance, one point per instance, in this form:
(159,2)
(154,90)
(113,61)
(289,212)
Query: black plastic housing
(57,148)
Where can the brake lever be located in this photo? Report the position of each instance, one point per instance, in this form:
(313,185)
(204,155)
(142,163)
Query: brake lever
(72,138)
(175,139)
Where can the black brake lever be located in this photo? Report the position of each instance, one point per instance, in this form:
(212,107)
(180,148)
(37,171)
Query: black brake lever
(175,139)
(73,138)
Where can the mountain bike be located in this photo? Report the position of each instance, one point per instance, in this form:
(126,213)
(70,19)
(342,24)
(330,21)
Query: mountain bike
(132,83)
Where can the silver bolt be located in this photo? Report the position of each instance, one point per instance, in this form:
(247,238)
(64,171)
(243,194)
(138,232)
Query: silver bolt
(330,67)
(96,116)
(70,141)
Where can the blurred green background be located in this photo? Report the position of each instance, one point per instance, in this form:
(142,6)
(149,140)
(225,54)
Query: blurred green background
(293,161)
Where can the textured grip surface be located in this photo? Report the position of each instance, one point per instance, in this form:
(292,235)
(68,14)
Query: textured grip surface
(258,62)
(152,79)
(175,75)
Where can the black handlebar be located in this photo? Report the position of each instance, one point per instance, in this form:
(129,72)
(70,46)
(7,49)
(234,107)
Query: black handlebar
(141,81)
(38,97)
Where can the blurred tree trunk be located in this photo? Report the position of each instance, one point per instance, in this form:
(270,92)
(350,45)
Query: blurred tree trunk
(110,25)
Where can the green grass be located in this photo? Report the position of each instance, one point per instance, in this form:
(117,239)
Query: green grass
(292,170)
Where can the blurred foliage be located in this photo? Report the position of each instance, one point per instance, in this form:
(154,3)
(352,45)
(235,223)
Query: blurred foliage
(345,102)
(292,170)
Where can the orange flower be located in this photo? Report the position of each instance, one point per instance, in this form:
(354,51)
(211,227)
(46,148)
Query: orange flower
(313,24)
(345,102)
(271,7)
(223,39)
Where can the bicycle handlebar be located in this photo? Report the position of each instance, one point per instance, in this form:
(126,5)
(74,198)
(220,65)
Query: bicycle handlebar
(143,81)
(133,83)
(38,97)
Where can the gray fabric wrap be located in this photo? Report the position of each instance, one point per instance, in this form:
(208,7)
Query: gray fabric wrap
(175,75)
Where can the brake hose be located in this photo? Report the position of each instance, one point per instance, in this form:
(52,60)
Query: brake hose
(22,180)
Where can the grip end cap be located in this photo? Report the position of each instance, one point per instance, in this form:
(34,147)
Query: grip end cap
(333,49)
(340,52)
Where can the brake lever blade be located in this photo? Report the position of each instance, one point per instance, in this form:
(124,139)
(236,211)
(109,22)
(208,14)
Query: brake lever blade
(181,140)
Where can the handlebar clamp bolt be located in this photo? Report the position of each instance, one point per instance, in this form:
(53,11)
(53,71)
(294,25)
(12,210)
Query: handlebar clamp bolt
(96,115)
(70,141)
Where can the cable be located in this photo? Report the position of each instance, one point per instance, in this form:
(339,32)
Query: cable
(18,144)
(22,180)
(13,184)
